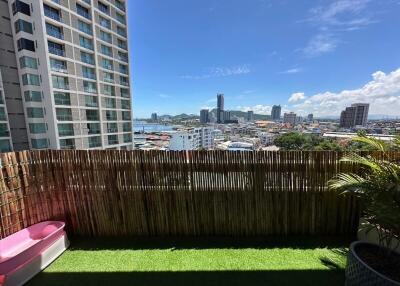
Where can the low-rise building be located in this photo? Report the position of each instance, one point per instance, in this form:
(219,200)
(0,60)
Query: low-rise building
(192,139)
(266,138)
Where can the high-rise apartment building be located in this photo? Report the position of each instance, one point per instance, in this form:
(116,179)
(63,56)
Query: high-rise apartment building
(5,136)
(276,112)
(310,117)
(227,116)
(220,108)
(290,118)
(355,115)
(204,116)
(73,70)
(154,117)
(11,91)
(250,115)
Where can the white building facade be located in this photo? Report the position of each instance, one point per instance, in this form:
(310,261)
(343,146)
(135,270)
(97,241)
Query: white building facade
(74,72)
(192,139)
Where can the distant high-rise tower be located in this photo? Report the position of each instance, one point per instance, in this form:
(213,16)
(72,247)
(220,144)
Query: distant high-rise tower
(356,115)
(290,118)
(227,116)
(154,117)
(250,115)
(220,108)
(310,117)
(276,112)
(204,116)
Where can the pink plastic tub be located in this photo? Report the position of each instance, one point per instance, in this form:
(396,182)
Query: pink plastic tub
(25,253)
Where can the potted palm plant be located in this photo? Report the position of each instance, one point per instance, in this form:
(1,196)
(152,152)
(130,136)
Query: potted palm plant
(377,184)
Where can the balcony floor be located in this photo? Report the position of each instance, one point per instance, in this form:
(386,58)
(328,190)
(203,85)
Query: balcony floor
(122,261)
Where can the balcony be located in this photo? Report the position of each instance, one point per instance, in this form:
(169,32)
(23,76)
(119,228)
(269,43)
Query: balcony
(57,52)
(55,34)
(52,13)
(140,218)
(61,68)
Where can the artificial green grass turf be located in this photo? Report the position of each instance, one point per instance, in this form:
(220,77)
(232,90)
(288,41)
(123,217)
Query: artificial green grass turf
(96,262)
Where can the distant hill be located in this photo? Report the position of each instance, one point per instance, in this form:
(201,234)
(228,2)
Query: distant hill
(243,114)
(182,116)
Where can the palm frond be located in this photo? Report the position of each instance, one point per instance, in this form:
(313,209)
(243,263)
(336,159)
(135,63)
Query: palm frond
(377,144)
(368,162)
(346,182)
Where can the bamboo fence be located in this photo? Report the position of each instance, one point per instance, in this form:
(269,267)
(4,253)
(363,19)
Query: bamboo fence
(158,193)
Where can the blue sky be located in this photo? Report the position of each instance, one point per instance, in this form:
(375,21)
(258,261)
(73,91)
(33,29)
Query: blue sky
(309,56)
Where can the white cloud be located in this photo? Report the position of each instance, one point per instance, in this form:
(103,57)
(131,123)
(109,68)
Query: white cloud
(297,97)
(292,71)
(220,72)
(332,20)
(342,13)
(163,95)
(320,44)
(258,109)
(382,92)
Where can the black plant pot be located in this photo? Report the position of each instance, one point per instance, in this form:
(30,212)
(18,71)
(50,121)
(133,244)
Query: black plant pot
(359,273)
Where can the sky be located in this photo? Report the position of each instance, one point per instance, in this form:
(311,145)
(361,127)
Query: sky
(310,56)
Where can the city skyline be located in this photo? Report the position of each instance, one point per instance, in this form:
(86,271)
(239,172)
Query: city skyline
(329,61)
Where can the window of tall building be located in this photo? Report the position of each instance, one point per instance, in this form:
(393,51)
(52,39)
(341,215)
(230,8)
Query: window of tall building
(94,142)
(124,92)
(54,31)
(126,127)
(86,43)
(65,129)
(64,114)
(5,145)
(30,79)
(87,58)
(39,143)
(56,48)
(106,50)
(60,82)
(35,112)
(82,11)
(28,62)
(37,128)
(3,116)
(67,143)
(112,139)
(103,7)
(108,90)
(89,87)
(34,96)
(93,128)
(21,7)
(25,44)
(127,138)
(104,22)
(88,72)
(52,13)
(91,101)
(62,98)
(111,115)
(106,37)
(92,115)
(107,64)
(85,27)
(58,65)
(110,102)
(24,26)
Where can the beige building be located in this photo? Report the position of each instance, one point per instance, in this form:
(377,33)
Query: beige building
(70,74)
